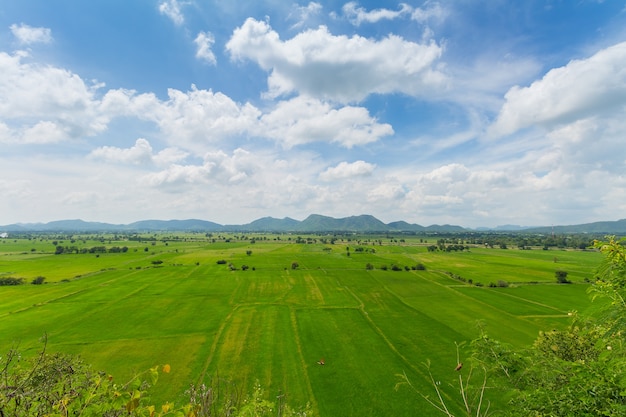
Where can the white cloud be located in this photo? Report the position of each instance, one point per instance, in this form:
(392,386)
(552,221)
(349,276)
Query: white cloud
(140,153)
(217,167)
(581,89)
(341,68)
(386,192)
(171,9)
(432,11)
(43,132)
(304,120)
(303,13)
(203,42)
(357,15)
(27,35)
(199,117)
(46,104)
(347,170)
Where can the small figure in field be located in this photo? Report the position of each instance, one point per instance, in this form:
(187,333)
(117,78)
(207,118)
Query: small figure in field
(321,362)
(459,366)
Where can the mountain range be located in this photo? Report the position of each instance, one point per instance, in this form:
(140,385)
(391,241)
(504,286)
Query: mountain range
(313,224)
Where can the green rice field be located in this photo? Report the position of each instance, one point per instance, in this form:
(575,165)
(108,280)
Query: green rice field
(166,299)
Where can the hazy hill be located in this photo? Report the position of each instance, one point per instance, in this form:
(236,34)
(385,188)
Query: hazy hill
(617,227)
(267,224)
(315,223)
(191,225)
(363,223)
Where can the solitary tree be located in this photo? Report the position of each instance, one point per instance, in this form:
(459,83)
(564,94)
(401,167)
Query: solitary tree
(561,277)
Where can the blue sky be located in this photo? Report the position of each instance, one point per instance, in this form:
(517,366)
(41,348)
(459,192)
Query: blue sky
(462,112)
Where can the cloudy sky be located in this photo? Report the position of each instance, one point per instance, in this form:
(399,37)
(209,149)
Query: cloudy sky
(476,113)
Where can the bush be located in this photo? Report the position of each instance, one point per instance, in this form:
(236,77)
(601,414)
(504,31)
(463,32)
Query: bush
(561,277)
(221,262)
(38,281)
(11,281)
(63,385)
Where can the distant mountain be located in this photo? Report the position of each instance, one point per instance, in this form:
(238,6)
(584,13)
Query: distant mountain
(617,227)
(363,223)
(445,228)
(62,225)
(267,224)
(315,223)
(191,225)
(403,226)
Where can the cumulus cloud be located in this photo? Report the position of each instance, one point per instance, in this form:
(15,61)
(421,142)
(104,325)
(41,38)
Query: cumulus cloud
(582,88)
(45,103)
(386,192)
(347,170)
(171,9)
(217,167)
(198,117)
(304,120)
(140,153)
(431,11)
(203,42)
(357,15)
(342,68)
(27,35)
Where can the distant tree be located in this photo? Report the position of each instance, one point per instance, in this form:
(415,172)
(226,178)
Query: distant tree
(369,266)
(38,281)
(561,277)
(294,265)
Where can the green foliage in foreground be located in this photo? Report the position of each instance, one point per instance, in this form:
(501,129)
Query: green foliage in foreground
(579,371)
(59,385)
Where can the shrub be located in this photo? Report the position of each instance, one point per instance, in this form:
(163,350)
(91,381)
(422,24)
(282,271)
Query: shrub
(38,281)
(63,385)
(221,262)
(11,281)
(561,277)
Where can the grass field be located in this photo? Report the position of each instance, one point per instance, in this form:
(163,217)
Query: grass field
(167,300)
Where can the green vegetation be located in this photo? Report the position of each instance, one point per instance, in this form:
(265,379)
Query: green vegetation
(268,310)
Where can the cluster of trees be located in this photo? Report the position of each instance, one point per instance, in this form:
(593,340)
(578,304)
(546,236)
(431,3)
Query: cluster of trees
(232,266)
(394,267)
(59,250)
(441,246)
(8,281)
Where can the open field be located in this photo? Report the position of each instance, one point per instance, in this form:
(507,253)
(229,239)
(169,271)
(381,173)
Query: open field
(165,299)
